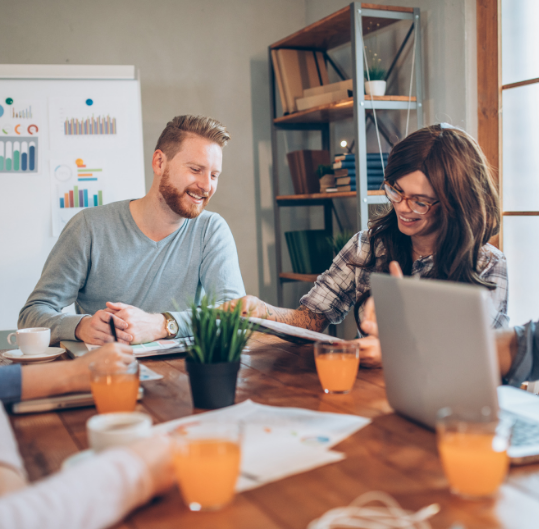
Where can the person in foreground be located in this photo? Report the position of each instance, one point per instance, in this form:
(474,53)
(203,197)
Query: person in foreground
(93,494)
(137,260)
(443,210)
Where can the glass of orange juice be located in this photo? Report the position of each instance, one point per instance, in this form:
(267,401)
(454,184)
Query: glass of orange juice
(337,365)
(114,385)
(207,460)
(473,449)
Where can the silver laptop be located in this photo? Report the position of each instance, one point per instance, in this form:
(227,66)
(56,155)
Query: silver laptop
(438,350)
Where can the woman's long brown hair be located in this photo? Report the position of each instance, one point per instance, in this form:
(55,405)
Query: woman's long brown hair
(468,211)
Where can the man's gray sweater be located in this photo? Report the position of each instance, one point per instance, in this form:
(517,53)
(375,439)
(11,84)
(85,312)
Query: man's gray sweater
(103,256)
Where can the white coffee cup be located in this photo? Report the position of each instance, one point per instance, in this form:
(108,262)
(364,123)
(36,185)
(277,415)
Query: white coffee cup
(34,341)
(117,429)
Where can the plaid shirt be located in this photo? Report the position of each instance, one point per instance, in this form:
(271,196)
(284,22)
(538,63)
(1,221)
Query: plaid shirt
(336,290)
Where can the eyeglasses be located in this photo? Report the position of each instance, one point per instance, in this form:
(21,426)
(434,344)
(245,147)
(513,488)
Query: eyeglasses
(417,206)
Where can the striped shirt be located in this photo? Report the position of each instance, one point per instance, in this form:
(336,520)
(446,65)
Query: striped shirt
(335,291)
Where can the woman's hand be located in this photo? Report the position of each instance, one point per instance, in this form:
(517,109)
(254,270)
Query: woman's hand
(370,350)
(370,354)
(251,306)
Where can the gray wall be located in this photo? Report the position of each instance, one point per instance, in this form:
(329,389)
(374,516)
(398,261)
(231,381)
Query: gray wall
(195,57)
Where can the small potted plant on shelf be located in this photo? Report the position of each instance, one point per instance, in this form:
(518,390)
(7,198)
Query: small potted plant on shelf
(375,84)
(213,360)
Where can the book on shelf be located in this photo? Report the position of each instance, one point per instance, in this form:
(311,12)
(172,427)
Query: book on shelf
(310,251)
(326,181)
(344,180)
(332,190)
(344,189)
(344,164)
(303,167)
(305,103)
(343,157)
(344,172)
(296,70)
(331,87)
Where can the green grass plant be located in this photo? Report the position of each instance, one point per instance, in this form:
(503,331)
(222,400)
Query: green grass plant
(339,241)
(218,335)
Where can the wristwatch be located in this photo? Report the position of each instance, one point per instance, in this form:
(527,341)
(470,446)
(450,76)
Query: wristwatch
(171,324)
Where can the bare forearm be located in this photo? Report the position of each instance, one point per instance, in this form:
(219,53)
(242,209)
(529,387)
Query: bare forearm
(301,317)
(52,379)
(506,344)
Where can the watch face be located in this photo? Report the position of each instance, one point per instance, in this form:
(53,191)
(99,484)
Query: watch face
(172,327)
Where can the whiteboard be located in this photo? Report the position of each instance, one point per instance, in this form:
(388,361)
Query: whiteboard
(65,144)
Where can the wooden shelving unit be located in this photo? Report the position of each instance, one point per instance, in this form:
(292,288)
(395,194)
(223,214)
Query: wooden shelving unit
(343,110)
(348,25)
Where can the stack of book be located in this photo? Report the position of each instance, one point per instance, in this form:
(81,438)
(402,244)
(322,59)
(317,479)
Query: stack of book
(296,71)
(344,168)
(310,251)
(325,94)
(303,167)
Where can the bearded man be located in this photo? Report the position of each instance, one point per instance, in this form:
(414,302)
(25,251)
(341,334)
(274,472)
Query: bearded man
(136,260)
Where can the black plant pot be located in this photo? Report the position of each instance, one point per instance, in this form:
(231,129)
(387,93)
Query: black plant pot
(212,385)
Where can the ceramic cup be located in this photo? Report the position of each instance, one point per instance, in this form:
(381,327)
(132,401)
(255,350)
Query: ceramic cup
(117,429)
(34,341)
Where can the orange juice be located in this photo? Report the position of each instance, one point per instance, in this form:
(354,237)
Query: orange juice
(471,465)
(207,471)
(337,371)
(115,392)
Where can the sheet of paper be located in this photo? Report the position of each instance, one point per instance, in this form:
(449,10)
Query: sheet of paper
(284,330)
(77,183)
(157,348)
(21,121)
(279,442)
(146,374)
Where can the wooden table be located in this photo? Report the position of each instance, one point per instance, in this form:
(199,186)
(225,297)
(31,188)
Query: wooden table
(391,454)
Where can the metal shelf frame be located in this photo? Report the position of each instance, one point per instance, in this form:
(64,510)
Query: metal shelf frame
(362,106)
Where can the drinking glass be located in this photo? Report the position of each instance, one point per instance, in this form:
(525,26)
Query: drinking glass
(207,463)
(337,365)
(473,449)
(114,385)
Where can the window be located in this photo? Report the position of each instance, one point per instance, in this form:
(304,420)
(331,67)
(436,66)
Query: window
(508,97)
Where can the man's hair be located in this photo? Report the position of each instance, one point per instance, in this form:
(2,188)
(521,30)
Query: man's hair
(182,126)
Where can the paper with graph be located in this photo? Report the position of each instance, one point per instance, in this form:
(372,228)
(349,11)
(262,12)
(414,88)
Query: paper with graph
(277,441)
(77,184)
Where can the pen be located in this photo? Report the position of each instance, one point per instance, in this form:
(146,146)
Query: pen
(113,328)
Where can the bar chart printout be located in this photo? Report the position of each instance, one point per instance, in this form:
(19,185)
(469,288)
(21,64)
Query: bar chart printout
(80,198)
(95,125)
(18,155)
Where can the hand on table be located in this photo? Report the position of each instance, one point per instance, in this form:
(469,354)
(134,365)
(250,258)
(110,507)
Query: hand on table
(95,329)
(250,306)
(140,325)
(370,351)
(43,380)
(157,452)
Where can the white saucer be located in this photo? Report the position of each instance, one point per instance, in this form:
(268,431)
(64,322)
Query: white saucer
(49,355)
(77,458)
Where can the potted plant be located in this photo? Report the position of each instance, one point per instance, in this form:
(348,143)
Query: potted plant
(375,84)
(213,360)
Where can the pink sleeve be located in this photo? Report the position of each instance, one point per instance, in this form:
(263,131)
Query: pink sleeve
(92,495)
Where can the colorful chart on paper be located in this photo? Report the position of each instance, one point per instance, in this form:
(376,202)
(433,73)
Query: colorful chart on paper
(75,185)
(87,124)
(18,155)
(19,135)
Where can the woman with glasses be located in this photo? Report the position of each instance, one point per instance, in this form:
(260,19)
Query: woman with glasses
(442,211)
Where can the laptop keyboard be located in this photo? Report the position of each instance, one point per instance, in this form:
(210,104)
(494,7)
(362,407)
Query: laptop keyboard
(525,432)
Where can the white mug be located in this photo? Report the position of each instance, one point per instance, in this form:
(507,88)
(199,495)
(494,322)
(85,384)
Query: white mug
(117,429)
(34,341)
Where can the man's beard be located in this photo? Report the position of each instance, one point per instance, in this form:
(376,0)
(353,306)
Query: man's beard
(178,202)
